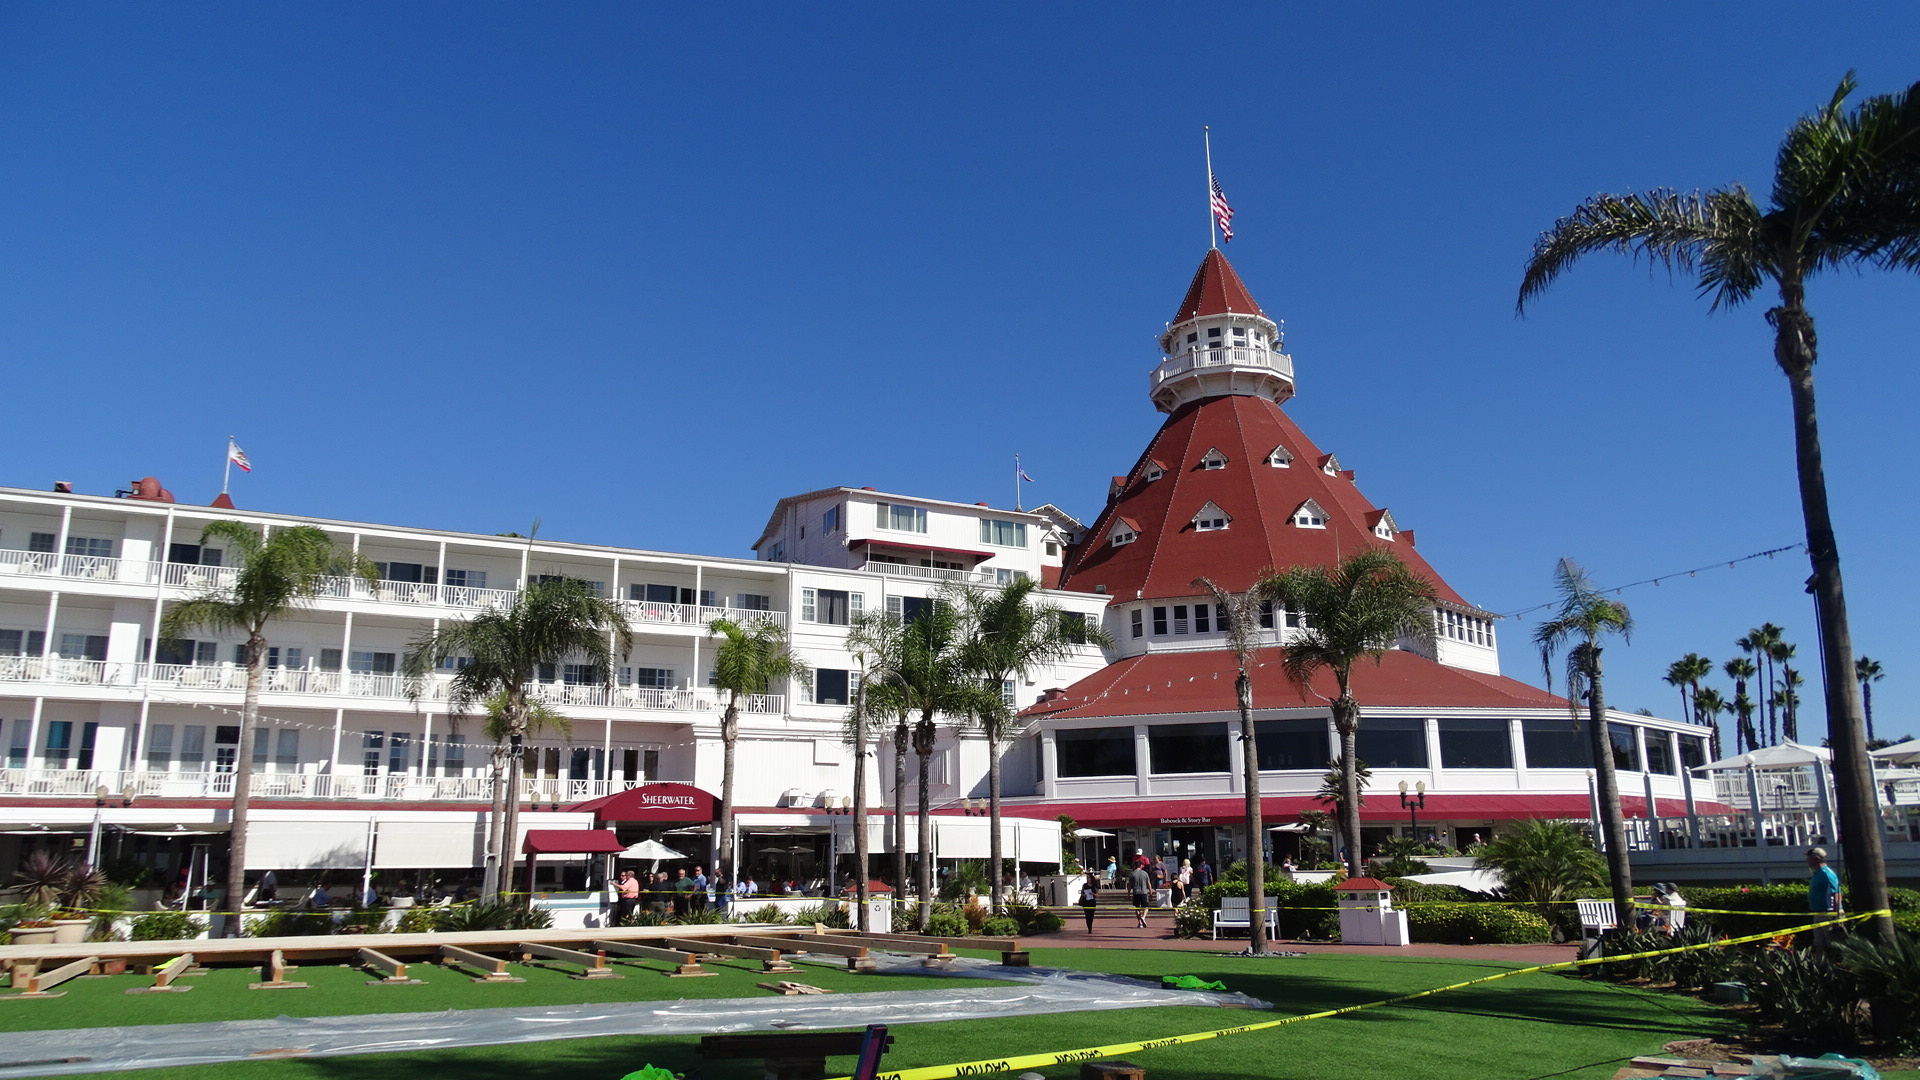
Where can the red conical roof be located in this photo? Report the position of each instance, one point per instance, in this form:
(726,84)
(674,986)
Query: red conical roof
(1258,498)
(1216,290)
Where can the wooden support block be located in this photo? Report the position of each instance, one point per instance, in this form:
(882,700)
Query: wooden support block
(379,961)
(927,943)
(593,964)
(491,968)
(789,989)
(686,964)
(770,959)
(1111,1070)
(165,974)
(274,973)
(1016,958)
(21,972)
(37,983)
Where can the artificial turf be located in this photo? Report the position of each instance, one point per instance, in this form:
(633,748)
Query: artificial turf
(1523,1028)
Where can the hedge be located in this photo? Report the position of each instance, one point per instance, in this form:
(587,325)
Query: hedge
(1777,907)
(1290,897)
(1481,923)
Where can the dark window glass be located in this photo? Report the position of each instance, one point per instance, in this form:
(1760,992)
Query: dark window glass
(1396,743)
(1626,749)
(1659,758)
(174,651)
(1556,744)
(911,607)
(1203,618)
(1266,614)
(1159,622)
(1693,752)
(1474,744)
(1135,618)
(1073,626)
(1094,752)
(833,607)
(1187,748)
(830,686)
(1293,744)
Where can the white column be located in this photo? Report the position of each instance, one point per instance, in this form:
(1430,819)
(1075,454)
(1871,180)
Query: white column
(440,573)
(1516,733)
(1049,768)
(1142,761)
(339,725)
(60,541)
(1433,746)
(53,611)
(426,736)
(34,758)
(139,749)
(1236,759)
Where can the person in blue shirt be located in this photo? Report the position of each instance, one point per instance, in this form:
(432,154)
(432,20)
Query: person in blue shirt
(1823,893)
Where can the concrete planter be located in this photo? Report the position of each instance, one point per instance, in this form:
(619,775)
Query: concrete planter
(70,931)
(33,935)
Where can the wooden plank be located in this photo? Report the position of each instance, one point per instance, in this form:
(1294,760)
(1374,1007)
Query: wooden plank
(491,968)
(856,955)
(379,961)
(593,964)
(770,959)
(897,940)
(42,981)
(275,973)
(686,964)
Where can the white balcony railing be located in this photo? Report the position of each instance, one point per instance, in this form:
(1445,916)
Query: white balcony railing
(13,561)
(931,573)
(308,783)
(1243,356)
(66,672)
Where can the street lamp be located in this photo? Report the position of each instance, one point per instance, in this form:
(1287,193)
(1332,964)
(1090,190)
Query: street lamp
(1413,804)
(102,798)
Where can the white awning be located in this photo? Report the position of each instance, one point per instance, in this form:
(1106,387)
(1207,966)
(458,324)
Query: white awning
(312,844)
(437,845)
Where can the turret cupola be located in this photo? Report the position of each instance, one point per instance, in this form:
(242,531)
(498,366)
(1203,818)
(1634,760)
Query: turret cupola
(1220,343)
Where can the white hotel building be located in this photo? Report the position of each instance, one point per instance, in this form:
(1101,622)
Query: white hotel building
(1140,740)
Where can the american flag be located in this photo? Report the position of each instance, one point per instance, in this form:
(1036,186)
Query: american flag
(1222,213)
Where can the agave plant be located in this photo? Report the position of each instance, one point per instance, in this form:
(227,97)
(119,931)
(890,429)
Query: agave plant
(1889,977)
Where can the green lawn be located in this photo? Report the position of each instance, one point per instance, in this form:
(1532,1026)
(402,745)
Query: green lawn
(1525,1028)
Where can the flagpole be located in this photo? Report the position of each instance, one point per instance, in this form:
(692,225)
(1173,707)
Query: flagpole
(1016,481)
(226,478)
(1213,236)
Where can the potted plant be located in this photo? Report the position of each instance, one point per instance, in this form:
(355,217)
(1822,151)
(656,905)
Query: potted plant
(34,926)
(65,887)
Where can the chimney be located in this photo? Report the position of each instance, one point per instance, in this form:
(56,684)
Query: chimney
(63,487)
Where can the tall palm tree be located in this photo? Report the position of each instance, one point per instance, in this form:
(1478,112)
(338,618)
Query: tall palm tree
(749,659)
(1679,674)
(1754,644)
(277,574)
(1867,670)
(1357,609)
(1787,695)
(1764,639)
(1583,617)
(1740,669)
(874,641)
(934,682)
(1709,705)
(1238,615)
(1846,192)
(1008,635)
(500,654)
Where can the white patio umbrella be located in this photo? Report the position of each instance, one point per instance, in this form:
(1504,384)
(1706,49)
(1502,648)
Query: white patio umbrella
(1771,757)
(1906,753)
(651,849)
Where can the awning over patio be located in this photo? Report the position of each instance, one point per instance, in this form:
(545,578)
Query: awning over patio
(653,802)
(572,842)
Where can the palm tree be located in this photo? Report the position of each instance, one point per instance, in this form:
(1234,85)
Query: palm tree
(1786,707)
(874,641)
(1846,192)
(1754,644)
(749,659)
(1583,617)
(500,655)
(1543,862)
(934,681)
(277,574)
(1008,635)
(1238,614)
(1708,705)
(1740,669)
(1333,785)
(1762,640)
(1867,670)
(1358,608)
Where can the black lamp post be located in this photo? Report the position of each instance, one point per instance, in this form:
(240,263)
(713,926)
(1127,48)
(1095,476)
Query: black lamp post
(1413,804)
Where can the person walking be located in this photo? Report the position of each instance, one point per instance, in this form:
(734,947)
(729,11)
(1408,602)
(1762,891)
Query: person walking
(1089,898)
(629,892)
(1140,884)
(1113,869)
(699,898)
(1823,895)
(1183,882)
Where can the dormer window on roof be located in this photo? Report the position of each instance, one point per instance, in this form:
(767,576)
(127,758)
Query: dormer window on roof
(1122,533)
(1214,459)
(1330,465)
(1280,458)
(1211,518)
(1152,472)
(1383,525)
(1309,515)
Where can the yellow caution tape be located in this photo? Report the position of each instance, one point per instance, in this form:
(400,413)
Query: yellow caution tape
(1068,1057)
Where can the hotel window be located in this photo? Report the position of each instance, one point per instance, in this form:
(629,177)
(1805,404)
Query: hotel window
(830,686)
(656,678)
(1094,752)
(1153,472)
(400,754)
(371,743)
(372,663)
(42,542)
(1122,536)
(907,608)
(1626,748)
(1135,618)
(1073,627)
(17,748)
(1053,550)
(1006,692)
(83,647)
(262,742)
(1266,614)
(89,546)
(777,553)
(834,607)
(329,660)
(583,674)
(1280,458)
(1003,533)
(830,521)
(1202,618)
(467,579)
(1210,518)
(1392,743)
(456,755)
(159,746)
(1293,744)
(1159,622)
(1213,337)
(1187,748)
(1555,744)
(193,747)
(1002,576)
(1179,618)
(1310,516)
(900,518)
(1659,754)
(1693,752)
(747,601)
(59,749)
(294,658)
(194,555)
(23,642)
(1214,460)
(1475,744)
(410,573)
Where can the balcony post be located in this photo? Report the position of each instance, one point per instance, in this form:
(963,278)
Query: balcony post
(60,546)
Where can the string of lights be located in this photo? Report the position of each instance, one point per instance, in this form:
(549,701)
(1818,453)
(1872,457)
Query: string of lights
(1715,565)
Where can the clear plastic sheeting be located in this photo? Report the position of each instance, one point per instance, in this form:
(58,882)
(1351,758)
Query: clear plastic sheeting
(1039,990)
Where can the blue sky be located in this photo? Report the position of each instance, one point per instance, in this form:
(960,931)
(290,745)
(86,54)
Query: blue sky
(639,271)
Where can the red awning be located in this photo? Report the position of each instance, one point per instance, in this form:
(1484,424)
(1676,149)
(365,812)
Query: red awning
(653,802)
(572,842)
(969,552)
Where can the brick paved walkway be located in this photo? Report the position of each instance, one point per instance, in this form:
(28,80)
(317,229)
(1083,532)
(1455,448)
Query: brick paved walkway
(1116,930)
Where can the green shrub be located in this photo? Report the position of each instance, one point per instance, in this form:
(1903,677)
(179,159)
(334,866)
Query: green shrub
(1787,903)
(1034,920)
(529,918)
(1192,919)
(1888,975)
(827,915)
(646,917)
(290,924)
(1812,998)
(1419,892)
(363,920)
(468,917)
(947,921)
(699,917)
(1700,968)
(167,926)
(416,920)
(767,914)
(1484,923)
(1002,926)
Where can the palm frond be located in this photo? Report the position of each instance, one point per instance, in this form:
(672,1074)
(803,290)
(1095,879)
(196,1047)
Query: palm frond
(1667,229)
(1359,608)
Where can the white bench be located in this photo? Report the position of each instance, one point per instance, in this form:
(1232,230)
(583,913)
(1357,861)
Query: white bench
(1596,918)
(1236,914)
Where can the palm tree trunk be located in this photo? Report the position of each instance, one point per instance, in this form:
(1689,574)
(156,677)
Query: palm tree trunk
(729,741)
(1256,827)
(491,886)
(516,756)
(1866,700)
(994,854)
(1346,721)
(861,855)
(1859,810)
(923,736)
(256,656)
(901,741)
(1613,823)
